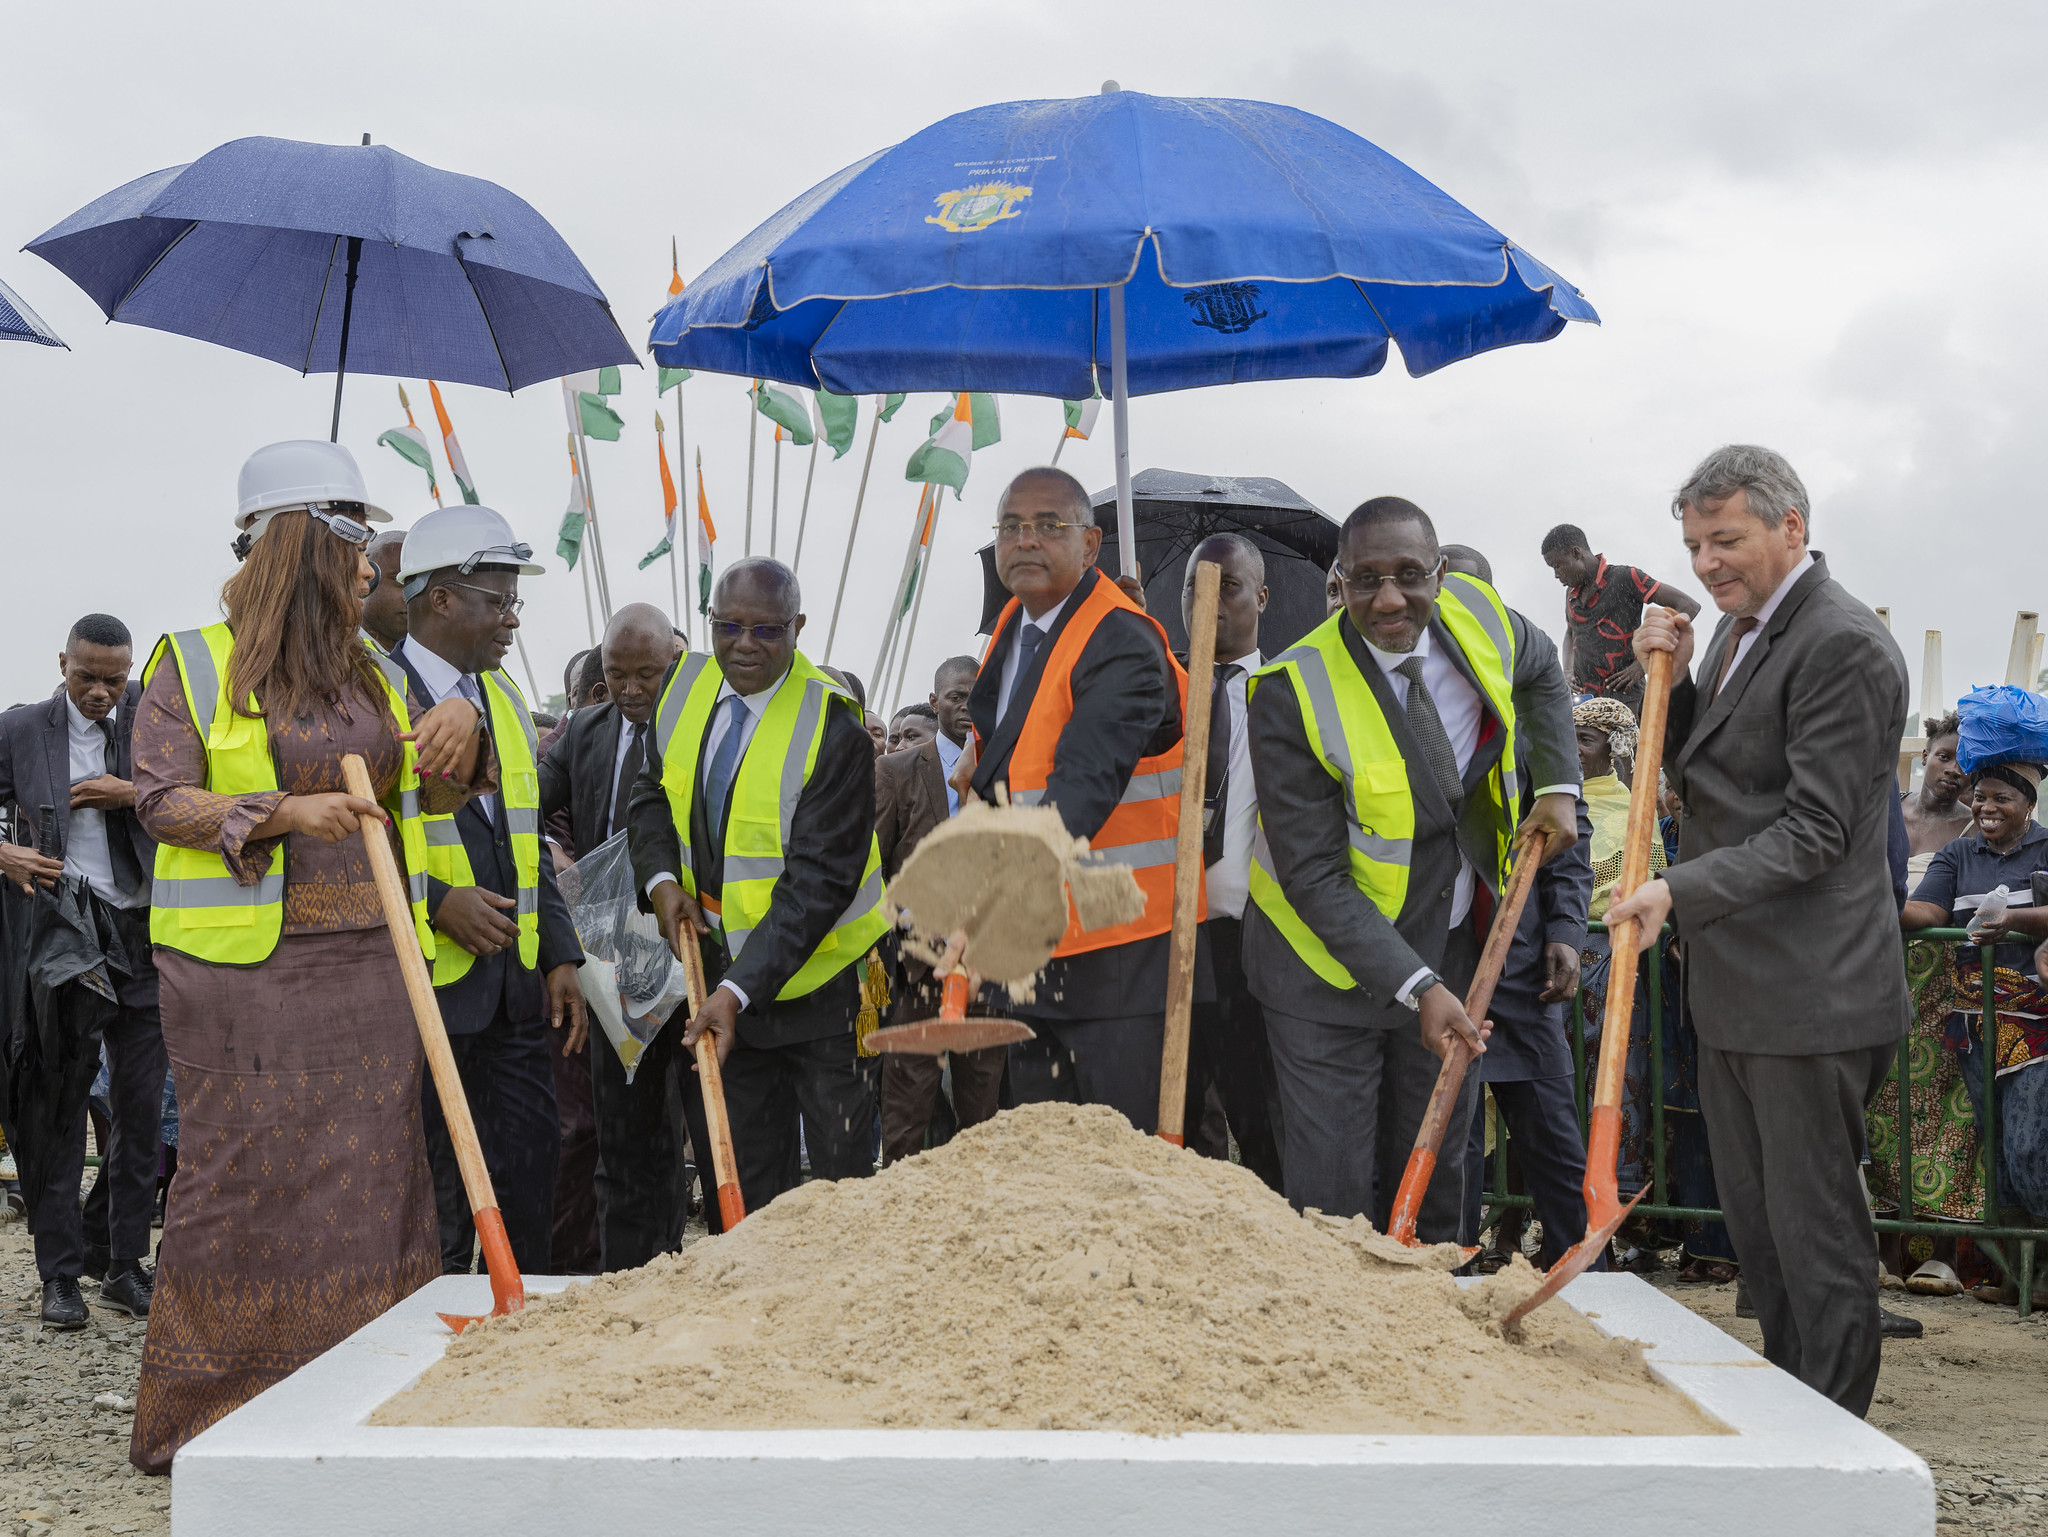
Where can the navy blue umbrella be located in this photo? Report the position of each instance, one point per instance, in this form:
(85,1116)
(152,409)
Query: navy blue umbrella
(1033,246)
(19,323)
(329,257)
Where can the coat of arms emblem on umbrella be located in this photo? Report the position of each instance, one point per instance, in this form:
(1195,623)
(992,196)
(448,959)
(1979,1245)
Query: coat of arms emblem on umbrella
(973,208)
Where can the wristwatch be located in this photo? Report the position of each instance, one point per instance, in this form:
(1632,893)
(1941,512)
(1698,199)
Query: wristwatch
(1422,985)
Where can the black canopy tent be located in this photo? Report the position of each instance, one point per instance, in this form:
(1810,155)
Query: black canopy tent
(1176,511)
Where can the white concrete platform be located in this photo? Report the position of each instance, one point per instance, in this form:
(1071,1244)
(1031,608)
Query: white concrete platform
(300,1461)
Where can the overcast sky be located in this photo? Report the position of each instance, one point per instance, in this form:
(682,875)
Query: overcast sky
(1803,225)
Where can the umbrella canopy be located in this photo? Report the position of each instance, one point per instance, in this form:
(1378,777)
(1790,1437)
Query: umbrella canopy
(19,323)
(1257,242)
(249,246)
(1175,512)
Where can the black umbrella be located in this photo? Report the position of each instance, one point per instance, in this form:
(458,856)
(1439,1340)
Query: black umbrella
(1175,512)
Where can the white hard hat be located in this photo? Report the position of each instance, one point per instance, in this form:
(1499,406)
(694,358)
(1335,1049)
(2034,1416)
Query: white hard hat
(464,537)
(303,473)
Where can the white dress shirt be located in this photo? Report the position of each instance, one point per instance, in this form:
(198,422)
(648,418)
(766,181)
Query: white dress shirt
(1229,879)
(1763,617)
(949,758)
(1044,622)
(444,681)
(86,854)
(721,722)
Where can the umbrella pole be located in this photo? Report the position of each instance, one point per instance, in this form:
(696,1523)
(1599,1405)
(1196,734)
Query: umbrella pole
(859,496)
(924,580)
(902,590)
(348,304)
(804,516)
(753,419)
(1120,409)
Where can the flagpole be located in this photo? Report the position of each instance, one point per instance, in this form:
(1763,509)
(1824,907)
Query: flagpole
(583,569)
(804,516)
(859,497)
(924,580)
(604,584)
(775,495)
(683,476)
(753,420)
(1059,447)
(902,590)
(527,662)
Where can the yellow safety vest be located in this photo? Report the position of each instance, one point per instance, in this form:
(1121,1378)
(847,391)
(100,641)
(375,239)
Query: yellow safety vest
(519,798)
(1349,734)
(760,806)
(196,906)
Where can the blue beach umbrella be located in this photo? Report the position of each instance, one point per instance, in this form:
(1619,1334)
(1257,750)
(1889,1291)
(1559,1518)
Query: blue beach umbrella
(19,323)
(329,257)
(1033,246)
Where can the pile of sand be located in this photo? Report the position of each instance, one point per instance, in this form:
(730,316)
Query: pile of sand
(1050,1269)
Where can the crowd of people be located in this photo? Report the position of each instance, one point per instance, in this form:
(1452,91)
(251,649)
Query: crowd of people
(188,899)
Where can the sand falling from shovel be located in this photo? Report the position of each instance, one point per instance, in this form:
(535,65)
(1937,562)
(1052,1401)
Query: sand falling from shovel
(1049,1269)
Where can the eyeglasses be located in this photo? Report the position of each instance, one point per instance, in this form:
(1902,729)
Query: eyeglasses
(766,634)
(507,603)
(1416,583)
(1045,528)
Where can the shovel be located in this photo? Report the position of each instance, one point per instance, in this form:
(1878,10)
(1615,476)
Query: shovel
(508,1291)
(953,1030)
(1450,1078)
(1604,1211)
(724,1167)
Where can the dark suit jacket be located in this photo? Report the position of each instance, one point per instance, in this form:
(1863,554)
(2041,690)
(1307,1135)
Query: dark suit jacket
(499,981)
(825,857)
(1126,707)
(1301,813)
(35,771)
(1783,891)
(910,800)
(576,775)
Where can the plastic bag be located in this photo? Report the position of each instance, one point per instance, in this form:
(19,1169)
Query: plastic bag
(630,978)
(2004,724)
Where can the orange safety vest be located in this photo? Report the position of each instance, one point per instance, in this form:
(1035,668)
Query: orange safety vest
(1142,830)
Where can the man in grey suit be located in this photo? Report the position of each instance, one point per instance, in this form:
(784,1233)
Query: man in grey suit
(1783,750)
(1387,797)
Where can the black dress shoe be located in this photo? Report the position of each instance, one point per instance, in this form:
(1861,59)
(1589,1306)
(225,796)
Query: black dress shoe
(95,1264)
(128,1289)
(1898,1326)
(63,1307)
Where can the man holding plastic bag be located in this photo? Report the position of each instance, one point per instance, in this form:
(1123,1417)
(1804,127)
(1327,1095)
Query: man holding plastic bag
(782,892)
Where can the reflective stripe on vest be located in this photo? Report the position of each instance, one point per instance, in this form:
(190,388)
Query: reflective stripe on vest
(196,906)
(1347,731)
(760,809)
(517,745)
(1142,828)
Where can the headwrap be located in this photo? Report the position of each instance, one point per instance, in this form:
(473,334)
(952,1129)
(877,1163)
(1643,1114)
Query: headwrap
(1613,717)
(2023,777)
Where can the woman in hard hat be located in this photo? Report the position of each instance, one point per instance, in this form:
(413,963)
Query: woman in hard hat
(303,1206)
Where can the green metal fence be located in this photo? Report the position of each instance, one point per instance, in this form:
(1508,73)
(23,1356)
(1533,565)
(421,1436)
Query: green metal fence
(2014,1228)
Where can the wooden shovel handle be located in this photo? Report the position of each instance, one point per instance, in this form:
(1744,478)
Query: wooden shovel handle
(426,1012)
(724,1167)
(1188,874)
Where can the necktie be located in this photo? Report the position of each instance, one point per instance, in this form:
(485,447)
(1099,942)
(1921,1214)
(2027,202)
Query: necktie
(1430,735)
(1740,628)
(629,770)
(465,685)
(127,868)
(718,778)
(1216,776)
(1029,638)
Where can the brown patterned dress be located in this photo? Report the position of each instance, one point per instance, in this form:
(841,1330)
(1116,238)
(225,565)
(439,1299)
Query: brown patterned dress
(302,1206)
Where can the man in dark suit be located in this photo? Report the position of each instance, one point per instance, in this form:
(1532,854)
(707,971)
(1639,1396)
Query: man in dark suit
(911,798)
(1385,833)
(1078,707)
(67,759)
(781,892)
(1783,751)
(589,777)
(500,1011)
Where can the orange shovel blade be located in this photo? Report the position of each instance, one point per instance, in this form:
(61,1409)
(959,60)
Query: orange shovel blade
(508,1291)
(1572,1263)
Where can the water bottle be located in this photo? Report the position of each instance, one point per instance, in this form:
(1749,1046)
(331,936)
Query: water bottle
(1992,906)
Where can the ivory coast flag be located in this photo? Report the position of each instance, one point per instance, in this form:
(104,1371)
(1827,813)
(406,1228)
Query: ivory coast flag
(457,465)
(833,418)
(668,500)
(943,458)
(410,444)
(785,410)
(707,536)
(1081,416)
(569,538)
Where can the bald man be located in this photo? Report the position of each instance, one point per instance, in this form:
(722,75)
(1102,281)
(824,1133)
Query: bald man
(384,608)
(641,1181)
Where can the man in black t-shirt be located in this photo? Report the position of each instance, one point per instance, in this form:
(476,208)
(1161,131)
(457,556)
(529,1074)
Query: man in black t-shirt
(1603,604)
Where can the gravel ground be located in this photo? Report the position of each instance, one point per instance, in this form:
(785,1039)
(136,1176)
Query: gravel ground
(1971,1397)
